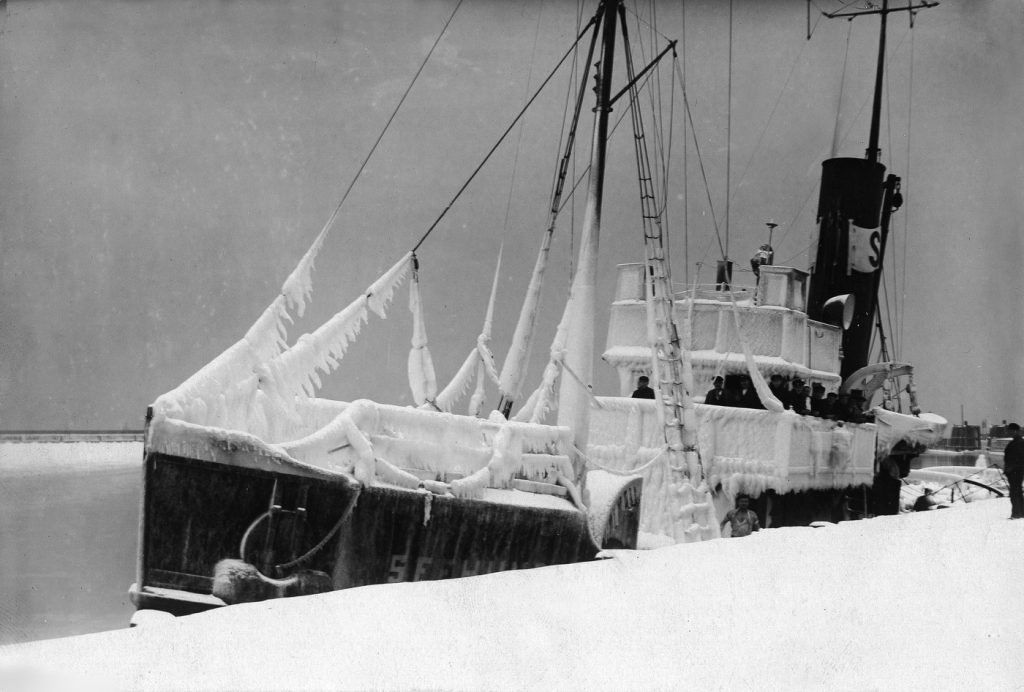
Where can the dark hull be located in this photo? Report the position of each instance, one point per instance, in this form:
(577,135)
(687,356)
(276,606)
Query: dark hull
(803,508)
(197,514)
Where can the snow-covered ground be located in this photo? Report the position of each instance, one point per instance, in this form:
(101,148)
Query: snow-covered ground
(919,601)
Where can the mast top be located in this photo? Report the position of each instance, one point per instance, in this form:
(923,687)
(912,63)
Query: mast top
(876,109)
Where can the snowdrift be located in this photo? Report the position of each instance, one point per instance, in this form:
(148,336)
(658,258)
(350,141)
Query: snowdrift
(920,601)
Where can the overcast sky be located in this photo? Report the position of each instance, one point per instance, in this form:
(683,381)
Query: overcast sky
(165,164)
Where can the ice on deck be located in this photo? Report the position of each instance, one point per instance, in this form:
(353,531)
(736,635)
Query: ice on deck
(744,450)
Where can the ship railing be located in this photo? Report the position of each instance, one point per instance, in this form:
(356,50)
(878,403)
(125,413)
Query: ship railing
(442,452)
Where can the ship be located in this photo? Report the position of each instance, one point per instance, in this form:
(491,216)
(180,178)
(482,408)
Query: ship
(255,487)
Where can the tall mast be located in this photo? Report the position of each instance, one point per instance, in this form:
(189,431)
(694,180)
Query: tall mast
(573,399)
(876,106)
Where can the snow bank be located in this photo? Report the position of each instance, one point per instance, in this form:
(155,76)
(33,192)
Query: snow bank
(922,601)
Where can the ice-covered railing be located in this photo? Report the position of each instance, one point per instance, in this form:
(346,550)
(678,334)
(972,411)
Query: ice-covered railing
(744,450)
(377,442)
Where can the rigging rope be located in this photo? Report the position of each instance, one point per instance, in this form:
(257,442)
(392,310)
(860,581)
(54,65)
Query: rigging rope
(700,159)
(778,100)
(503,136)
(728,140)
(362,166)
(686,196)
(842,84)
(519,138)
(906,207)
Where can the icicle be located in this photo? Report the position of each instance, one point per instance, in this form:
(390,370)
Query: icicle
(379,294)
(546,399)
(459,384)
(756,378)
(422,380)
(264,340)
(476,402)
(526,412)
(481,354)
(486,357)
(522,340)
(295,370)
(299,285)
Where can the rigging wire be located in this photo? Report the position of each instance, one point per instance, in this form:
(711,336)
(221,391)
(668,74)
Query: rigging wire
(842,86)
(728,140)
(686,196)
(611,130)
(700,160)
(522,126)
(574,87)
(337,209)
(888,127)
(501,139)
(906,187)
(778,100)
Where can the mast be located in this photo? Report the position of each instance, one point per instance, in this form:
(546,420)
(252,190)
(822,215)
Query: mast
(573,397)
(876,105)
(854,208)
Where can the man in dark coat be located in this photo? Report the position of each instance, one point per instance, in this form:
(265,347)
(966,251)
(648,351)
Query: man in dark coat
(886,487)
(798,397)
(818,399)
(1013,466)
(747,396)
(717,396)
(643,389)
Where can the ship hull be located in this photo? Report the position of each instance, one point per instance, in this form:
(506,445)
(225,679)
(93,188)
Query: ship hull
(207,527)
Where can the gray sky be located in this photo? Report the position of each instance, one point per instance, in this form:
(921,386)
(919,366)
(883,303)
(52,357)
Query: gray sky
(165,164)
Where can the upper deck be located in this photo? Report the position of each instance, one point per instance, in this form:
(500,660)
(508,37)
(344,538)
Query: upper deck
(772,320)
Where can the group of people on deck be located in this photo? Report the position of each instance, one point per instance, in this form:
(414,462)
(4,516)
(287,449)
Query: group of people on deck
(738,391)
(795,395)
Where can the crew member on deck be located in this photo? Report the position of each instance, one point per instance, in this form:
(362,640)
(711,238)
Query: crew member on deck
(798,397)
(643,390)
(717,396)
(746,396)
(818,399)
(764,255)
(828,408)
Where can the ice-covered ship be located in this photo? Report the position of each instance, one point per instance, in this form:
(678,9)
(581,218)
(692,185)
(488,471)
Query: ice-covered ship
(256,488)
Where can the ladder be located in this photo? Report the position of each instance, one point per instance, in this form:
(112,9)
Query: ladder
(687,489)
(667,361)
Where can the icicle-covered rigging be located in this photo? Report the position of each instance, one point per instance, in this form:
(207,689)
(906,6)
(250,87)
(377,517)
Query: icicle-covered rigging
(422,380)
(204,397)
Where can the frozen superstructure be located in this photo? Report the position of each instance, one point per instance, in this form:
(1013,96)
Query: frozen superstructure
(772,319)
(803,460)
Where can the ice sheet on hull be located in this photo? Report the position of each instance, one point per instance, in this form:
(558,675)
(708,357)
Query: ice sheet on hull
(744,450)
